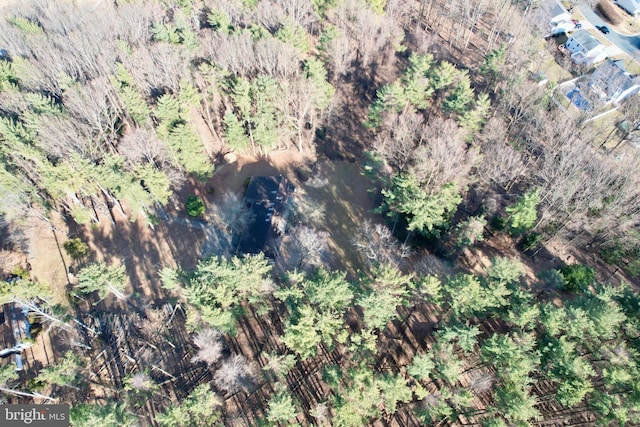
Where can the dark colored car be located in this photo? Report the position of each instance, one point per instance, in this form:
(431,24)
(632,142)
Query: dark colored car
(603,29)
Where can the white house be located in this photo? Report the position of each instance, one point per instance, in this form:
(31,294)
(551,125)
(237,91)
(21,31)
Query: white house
(563,27)
(612,83)
(631,6)
(558,13)
(584,48)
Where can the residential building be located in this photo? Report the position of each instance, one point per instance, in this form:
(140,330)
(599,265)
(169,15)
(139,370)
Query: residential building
(269,198)
(631,6)
(611,83)
(563,27)
(585,48)
(558,13)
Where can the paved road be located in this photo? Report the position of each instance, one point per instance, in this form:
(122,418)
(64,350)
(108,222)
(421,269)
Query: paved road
(629,44)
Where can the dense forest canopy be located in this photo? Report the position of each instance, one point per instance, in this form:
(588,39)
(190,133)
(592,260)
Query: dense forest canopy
(112,111)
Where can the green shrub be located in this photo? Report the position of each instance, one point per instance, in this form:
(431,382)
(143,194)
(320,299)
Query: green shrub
(531,241)
(195,206)
(76,248)
(551,279)
(633,268)
(613,254)
(498,223)
(21,273)
(577,277)
(80,214)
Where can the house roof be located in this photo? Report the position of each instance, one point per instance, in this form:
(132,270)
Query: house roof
(262,188)
(586,40)
(267,197)
(633,4)
(612,79)
(557,9)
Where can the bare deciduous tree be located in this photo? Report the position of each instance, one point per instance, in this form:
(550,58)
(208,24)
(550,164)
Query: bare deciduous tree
(309,211)
(443,156)
(398,142)
(158,67)
(501,164)
(481,381)
(234,374)
(241,54)
(95,105)
(371,38)
(210,346)
(435,153)
(232,213)
(321,413)
(141,381)
(378,245)
(303,247)
(142,145)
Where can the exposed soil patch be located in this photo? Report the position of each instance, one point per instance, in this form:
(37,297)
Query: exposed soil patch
(343,190)
(47,259)
(233,176)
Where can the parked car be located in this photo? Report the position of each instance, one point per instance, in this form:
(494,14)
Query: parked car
(603,29)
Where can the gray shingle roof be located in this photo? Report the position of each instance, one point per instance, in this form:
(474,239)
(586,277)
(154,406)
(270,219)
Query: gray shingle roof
(585,40)
(267,197)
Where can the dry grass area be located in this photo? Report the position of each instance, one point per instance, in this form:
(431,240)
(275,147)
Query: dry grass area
(626,24)
(546,64)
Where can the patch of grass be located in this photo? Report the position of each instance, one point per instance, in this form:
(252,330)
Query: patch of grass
(562,99)
(633,67)
(609,12)
(547,64)
(554,71)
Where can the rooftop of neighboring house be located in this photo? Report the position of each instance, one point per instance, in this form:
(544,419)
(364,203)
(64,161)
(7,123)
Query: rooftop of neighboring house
(612,79)
(557,9)
(634,5)
(586,40)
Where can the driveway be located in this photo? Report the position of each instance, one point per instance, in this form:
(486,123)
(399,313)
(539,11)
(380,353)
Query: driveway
(628,44)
